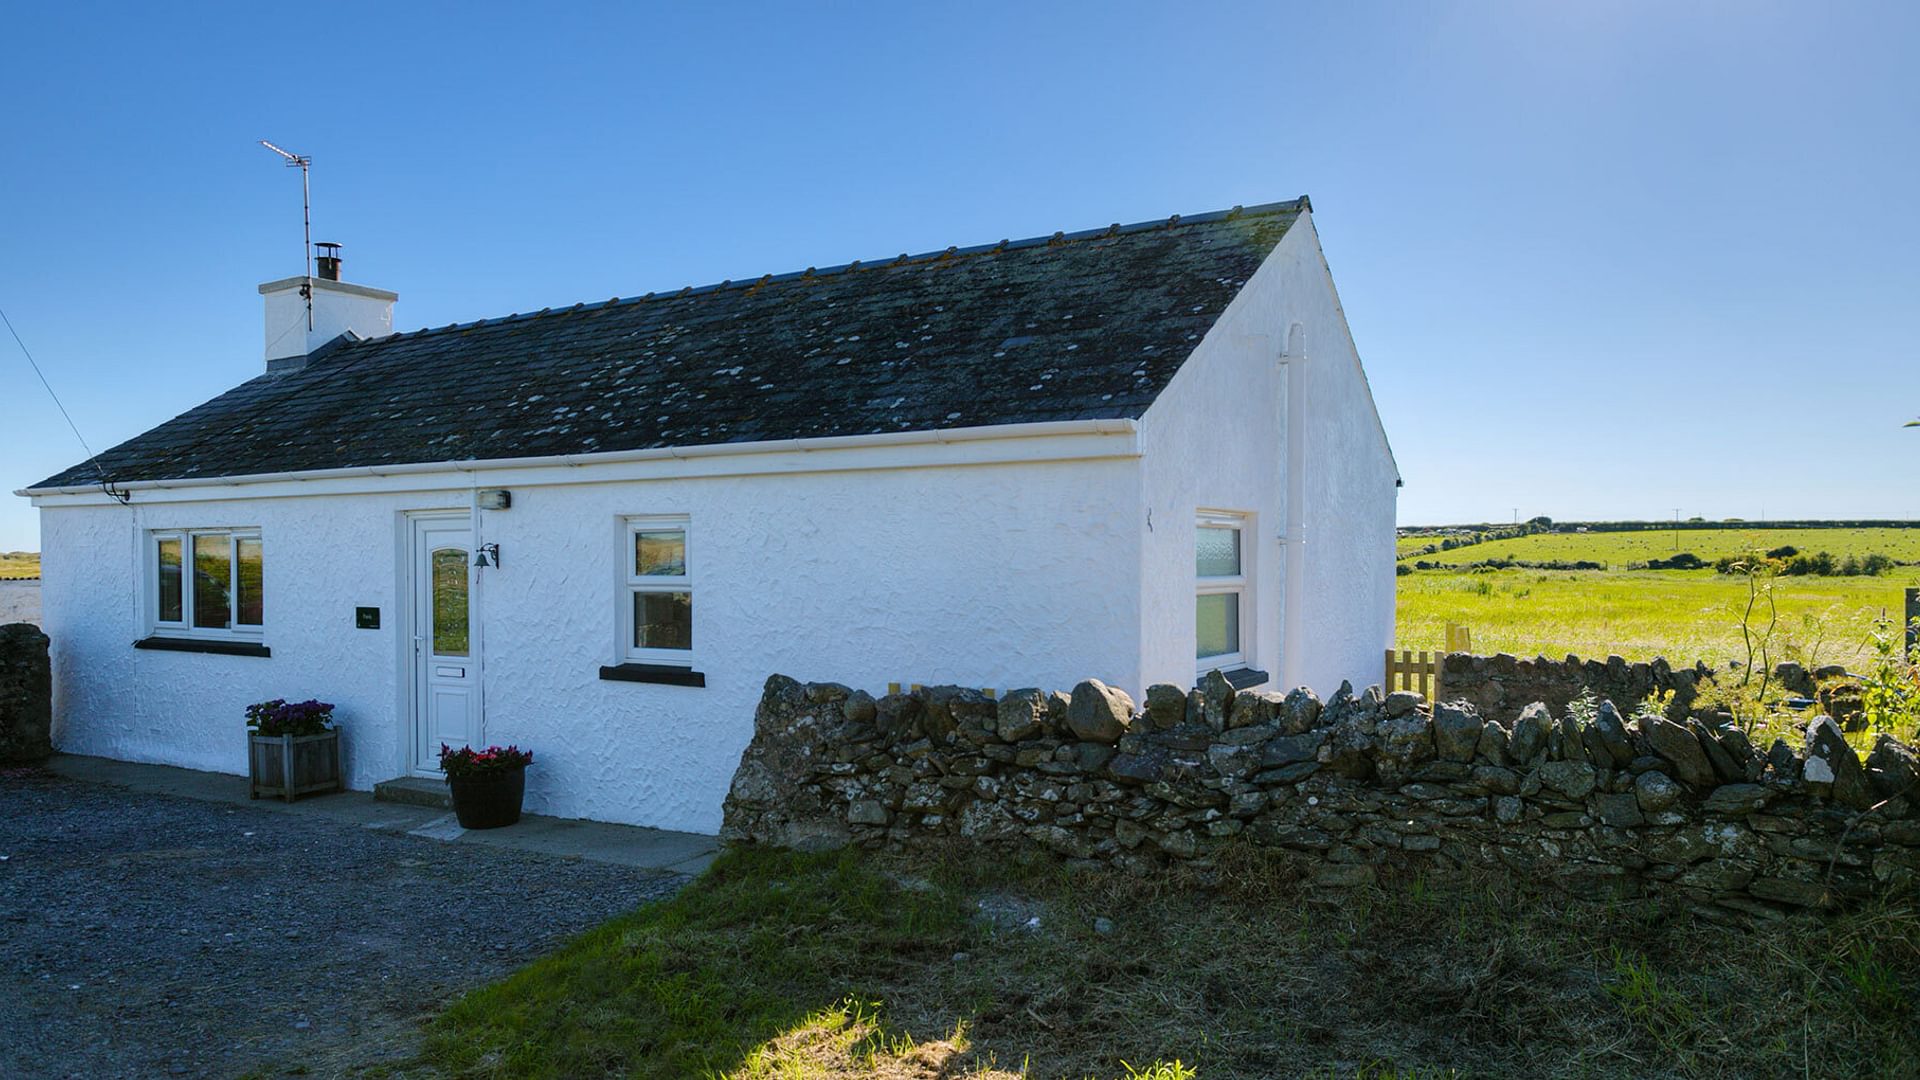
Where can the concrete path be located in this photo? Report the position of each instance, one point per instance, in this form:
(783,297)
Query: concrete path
(594,841)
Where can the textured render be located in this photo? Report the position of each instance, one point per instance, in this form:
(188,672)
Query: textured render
(983,575)
(1608,809)
(1352,492)
(1088,326)
(1216,439)
(324,557)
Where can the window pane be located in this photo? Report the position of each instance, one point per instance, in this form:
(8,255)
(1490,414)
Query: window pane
(450,602)
(247,571)
(169,580)
(663,620)
(1217,621)
(1219,551)
(212,581)
(661,553)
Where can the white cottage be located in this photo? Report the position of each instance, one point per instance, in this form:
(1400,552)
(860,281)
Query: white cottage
(1133,453)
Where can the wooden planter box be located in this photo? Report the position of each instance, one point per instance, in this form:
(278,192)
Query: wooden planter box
(289,766)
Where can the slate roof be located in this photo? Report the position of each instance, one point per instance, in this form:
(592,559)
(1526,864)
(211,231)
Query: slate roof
(1088,325)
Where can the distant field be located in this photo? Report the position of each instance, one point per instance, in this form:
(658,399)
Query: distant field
(1682,615)
(19,564)
(1616,549)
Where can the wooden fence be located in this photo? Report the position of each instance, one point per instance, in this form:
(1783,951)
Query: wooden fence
(1408,670)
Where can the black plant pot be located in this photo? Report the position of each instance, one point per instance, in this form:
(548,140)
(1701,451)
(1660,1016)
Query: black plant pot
(488,801)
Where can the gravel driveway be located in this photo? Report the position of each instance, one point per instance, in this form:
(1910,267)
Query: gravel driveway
(145,935)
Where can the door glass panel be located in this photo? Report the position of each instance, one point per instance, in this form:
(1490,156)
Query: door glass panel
(663,620)
(1217,620)
(450,601)
(1218,550)
(212,581)
(248,581)
(169,580)
(661,553)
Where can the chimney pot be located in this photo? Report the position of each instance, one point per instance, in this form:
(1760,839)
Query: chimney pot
(327,263)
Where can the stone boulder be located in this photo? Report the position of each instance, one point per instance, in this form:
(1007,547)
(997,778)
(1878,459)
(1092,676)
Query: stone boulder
(1892,768)
(1681,749)
(1100,713)
(1837,764)
(26,695)
(1022,714)
(1456,730)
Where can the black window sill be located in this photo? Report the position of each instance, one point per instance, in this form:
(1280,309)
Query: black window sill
(1244,678)
(665,674)
(222,648)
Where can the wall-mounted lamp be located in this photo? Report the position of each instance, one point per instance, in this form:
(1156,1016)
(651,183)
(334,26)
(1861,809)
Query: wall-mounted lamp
(487,555)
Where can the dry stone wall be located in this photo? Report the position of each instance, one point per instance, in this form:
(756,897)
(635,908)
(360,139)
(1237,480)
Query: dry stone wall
(1502,685)
(26,695)
(1604,806)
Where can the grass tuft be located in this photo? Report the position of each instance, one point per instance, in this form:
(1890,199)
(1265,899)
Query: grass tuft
(777,965)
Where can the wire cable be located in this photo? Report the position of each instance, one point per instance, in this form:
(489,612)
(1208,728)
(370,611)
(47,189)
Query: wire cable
(92,458)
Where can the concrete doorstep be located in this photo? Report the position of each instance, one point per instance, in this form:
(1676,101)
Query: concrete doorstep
(571,838)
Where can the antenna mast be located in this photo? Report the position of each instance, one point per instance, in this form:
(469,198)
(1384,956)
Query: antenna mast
(302,162)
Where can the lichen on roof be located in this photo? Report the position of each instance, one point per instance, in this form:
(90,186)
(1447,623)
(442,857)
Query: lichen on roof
(1073,326)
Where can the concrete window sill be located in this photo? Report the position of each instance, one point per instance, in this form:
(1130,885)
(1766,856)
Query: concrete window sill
(664,674)
(201,645)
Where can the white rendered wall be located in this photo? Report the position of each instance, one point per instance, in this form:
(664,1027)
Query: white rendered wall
(1216,440)
(988,575)
(338,307)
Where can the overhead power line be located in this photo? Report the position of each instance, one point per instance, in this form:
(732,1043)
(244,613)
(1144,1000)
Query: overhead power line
(92,458)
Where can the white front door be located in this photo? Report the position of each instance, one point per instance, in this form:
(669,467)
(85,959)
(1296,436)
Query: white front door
(446,664)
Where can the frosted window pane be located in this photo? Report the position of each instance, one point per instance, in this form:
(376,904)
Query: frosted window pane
(1217,622)
(169,580)
(450,602)
(663,620)
(1218,549)
(212,581)
(247,572)
(660,553)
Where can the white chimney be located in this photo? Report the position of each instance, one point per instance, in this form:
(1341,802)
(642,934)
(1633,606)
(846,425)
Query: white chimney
(338,308)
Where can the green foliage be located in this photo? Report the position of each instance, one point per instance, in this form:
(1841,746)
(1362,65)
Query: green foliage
(1161,1071)
(1875,984)
(1890,692)
(1667,1015)
(1585,707)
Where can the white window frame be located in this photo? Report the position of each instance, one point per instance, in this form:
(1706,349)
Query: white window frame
(635,583)
(1240,585)
(183,627)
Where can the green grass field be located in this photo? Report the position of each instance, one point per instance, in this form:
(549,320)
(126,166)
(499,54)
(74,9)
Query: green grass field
(1617,549)
(19,564)
(1682,615)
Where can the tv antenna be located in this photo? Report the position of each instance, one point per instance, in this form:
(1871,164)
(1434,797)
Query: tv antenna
(303,163)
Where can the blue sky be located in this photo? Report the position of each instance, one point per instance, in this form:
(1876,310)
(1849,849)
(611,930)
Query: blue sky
(1601,259)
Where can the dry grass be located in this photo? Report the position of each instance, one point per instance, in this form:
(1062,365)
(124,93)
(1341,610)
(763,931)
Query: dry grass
(15,565)
(748,973)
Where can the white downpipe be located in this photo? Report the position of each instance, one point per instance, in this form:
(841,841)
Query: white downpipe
(1293,634)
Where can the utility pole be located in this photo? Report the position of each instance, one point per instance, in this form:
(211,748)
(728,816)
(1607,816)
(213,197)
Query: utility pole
(1676,529)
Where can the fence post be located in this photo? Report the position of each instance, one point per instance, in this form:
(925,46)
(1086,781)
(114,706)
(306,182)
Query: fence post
(1913,612)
